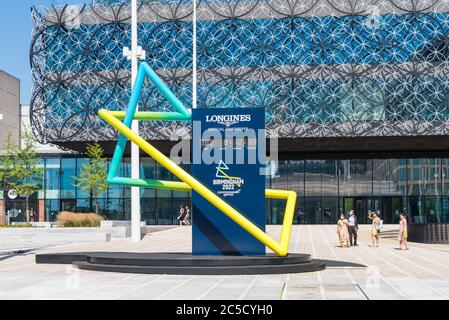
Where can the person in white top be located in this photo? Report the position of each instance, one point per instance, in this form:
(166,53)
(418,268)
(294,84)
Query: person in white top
(181,215)
(353,228)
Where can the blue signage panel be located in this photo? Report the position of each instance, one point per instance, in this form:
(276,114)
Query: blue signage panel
(226,160)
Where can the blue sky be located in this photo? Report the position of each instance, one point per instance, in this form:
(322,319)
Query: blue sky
(15,35)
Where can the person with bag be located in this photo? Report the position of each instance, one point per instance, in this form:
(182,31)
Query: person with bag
(402,236)
(376,227)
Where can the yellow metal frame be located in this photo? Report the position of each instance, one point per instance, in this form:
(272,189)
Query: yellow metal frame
(190,183)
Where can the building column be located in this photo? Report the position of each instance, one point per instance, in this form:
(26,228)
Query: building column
(41,210)
(2,217)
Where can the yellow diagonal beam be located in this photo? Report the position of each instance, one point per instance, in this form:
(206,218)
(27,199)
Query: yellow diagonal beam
(281,248)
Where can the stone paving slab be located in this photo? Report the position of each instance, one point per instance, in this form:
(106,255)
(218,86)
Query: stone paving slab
(420,273)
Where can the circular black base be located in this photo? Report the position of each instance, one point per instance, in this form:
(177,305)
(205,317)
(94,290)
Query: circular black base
(184,263)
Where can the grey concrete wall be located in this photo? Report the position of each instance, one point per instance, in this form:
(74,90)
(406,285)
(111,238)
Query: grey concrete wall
(9,108)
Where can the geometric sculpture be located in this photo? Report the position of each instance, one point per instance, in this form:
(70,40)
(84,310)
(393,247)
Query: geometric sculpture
(187,182)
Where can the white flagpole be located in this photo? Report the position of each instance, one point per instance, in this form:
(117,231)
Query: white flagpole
(135,155)
(194,62)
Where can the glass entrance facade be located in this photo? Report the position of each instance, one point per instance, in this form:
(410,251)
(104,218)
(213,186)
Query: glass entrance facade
(325,188)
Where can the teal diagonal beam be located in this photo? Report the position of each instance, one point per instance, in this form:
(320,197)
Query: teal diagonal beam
(182,114)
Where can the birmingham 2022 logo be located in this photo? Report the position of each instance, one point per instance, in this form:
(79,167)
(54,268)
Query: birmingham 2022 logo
(230,185)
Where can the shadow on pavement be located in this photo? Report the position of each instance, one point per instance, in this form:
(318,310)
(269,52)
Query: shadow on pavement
(334,264)
(14,254)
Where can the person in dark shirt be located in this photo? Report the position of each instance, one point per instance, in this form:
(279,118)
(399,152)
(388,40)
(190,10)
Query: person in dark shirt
(353,228)
(300,215)
(181,215)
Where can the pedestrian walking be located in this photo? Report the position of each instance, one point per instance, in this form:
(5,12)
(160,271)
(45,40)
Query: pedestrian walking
(342,231)
(353,228)
(403,234)
(299,215)
(376,225)
(181,215)
(187,216)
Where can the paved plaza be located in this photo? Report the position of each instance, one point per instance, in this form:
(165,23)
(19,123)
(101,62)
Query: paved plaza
(387,273)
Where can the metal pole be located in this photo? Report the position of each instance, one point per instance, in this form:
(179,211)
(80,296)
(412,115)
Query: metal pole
(194,62)
(135,156)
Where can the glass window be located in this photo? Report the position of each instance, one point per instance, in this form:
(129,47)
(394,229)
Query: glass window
(312,210)
(148,210)
(398,175)
(361,170)
(346,180)
(51,210)
(276,211)
(424,177)
(82,205)
(68,170)
(117,191)
(104,194)
(147,172)
(52,178)
(279,174)
(148,168)
(312,177)
(41,192)
(445,175)
(381,177)
(329,178)
(126,172)
(432,209)
(348,205)
(296,176)
(163,174)
(102,206)
(69,205)
(164,208)
(115,209)
(80,193)
(445,209)
(329,213)
(126,205)
(415,209)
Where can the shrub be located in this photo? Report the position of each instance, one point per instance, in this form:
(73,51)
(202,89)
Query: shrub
(17,226)
(76,220)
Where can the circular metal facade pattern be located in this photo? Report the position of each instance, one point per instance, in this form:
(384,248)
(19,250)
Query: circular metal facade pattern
(321,68)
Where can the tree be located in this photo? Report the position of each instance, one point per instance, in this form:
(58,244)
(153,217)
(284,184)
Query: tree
(6,170)
(27,171)
(93,176)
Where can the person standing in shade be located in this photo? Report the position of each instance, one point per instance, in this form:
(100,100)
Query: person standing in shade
(187,217)
(375,228)
(402,236)
(342,231)
(353,228)
(181,215)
